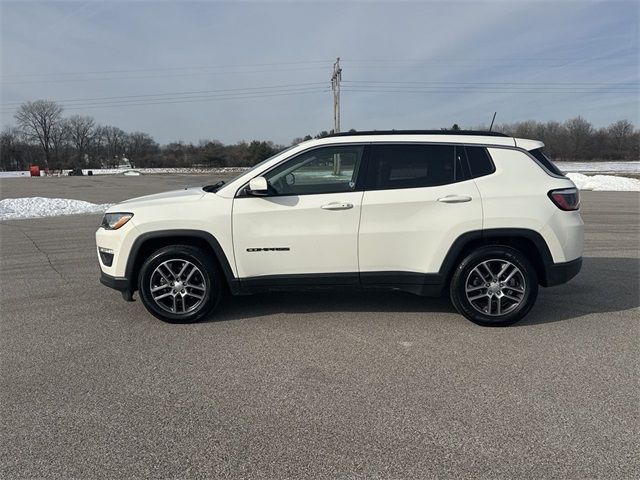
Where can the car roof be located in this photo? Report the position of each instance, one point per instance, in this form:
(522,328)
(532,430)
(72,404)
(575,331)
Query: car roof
(474,137)
(484,133)
(404,136)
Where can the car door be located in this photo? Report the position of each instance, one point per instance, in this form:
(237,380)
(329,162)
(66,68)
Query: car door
(305,230)
(419,198)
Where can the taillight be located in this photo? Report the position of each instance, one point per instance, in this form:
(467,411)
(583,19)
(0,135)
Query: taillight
(566,198)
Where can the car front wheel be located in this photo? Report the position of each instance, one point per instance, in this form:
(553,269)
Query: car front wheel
(494,286)
(179,284)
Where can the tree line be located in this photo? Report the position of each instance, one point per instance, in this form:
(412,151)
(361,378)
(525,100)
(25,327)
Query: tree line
(577,140)
(43,136)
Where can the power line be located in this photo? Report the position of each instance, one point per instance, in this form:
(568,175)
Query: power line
(355,63)
(520,61)
(239,94)
(293,89)
(159,69)
(195,92)
(189,99)
(467,90)
(172,75)
(355,86)
(489,83)
(470,64)
(462,88)
(478,59)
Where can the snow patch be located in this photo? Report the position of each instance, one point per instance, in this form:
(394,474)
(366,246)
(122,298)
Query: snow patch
(15,174)
(600,167)
(163,171)
(140,171)
(38,207)
(605,183)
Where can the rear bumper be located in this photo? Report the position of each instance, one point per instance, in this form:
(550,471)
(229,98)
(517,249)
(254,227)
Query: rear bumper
(123,285)
(559,273)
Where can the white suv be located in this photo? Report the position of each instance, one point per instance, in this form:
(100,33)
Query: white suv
(485,216)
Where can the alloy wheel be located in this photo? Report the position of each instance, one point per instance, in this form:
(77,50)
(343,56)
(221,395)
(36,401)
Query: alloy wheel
(177,286)
(495,287)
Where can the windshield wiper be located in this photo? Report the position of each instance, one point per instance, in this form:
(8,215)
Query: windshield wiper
(213,188)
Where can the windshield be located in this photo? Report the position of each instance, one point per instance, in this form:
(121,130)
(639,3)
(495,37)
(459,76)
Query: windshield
(217,186)
(266,160)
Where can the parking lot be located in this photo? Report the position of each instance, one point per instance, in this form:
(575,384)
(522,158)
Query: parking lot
(310,385)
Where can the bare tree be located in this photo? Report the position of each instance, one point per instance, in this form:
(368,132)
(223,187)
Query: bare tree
(551,134)
(139,147)
(81,131)
(526,129)
(621,135)
(37,120)
(580,132)
(113,141)
(10,149)
(60,137)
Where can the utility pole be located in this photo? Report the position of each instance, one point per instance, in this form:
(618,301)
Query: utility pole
(335,87)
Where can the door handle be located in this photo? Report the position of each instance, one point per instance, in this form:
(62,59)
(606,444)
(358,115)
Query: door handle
(337,206)
(455,199)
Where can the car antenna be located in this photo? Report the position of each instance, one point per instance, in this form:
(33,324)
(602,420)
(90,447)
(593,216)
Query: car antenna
(493,120)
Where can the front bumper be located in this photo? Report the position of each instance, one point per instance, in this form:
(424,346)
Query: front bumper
(559,273)
(123,285)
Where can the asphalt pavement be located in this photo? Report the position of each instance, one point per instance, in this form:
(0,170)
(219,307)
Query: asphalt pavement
(310,385)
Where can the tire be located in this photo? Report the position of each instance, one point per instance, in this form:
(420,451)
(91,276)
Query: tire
(477,295)
(180,284)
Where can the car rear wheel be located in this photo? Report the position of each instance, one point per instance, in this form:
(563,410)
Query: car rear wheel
(179,284)
(494,286)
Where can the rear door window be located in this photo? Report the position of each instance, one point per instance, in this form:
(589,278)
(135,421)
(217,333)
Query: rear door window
(393,166)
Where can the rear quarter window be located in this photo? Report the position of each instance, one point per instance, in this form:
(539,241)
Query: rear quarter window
(539,155)
(480,162)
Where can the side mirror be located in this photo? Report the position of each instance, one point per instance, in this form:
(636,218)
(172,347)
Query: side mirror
(258,186)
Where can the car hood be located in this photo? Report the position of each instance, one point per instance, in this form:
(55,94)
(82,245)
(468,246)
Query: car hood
(175,196)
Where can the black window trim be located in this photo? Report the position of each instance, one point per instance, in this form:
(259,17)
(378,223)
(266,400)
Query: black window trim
(240,192)
(544,167)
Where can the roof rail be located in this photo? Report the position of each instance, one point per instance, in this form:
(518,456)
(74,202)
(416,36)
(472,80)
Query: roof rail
(421,132)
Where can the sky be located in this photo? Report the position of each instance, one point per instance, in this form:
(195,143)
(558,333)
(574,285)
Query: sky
(233,71)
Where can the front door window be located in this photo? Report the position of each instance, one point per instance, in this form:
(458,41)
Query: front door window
(330,169)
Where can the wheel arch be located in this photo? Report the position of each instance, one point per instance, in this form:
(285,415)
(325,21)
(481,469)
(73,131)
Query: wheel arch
(528,242)
(149,242)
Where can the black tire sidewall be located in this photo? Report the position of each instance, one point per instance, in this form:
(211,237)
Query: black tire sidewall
(458,293)
(198,258)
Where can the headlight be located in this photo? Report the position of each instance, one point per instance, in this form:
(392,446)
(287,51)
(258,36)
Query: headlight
(113,221)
